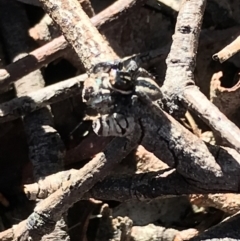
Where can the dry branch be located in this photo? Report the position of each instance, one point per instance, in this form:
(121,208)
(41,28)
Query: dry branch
(33,101)
(46,149)
(87,42)
(189,168)
(33,61)
(49,52)
(227,202)
(211,115)
(38,126)
(227,52)
(179,81)
(152,185)
(50,210)
(56,48)
(28,103)
(144,186)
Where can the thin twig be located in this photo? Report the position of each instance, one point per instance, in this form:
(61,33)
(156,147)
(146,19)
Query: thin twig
(179,82)
(228,51)
(28,103)
(227,202)
(33,61)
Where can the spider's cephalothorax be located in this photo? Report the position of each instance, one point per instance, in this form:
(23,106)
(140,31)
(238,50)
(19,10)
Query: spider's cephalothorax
(105,67)
(120,75)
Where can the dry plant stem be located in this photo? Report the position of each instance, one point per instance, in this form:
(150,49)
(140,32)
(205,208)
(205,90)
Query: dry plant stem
(50,210)
(179,82)
(59,46)
(119,189)
(144,186)
(227,202)
(153,185)
(179,148)
(36,100)
(51,51)
(46,149)
(210,114)
(175,145)
(226,230)
(210,167)
(33,61)
(41,136)
(182,57)
(30,102)
(227,52)
(87,42)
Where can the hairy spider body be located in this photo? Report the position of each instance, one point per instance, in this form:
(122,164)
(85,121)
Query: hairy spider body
(112,89)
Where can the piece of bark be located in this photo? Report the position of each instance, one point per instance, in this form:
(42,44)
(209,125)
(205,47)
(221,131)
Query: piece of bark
(227,230)
(227,202)
(153,232)
(87,42)
(179,81)
(226,99)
